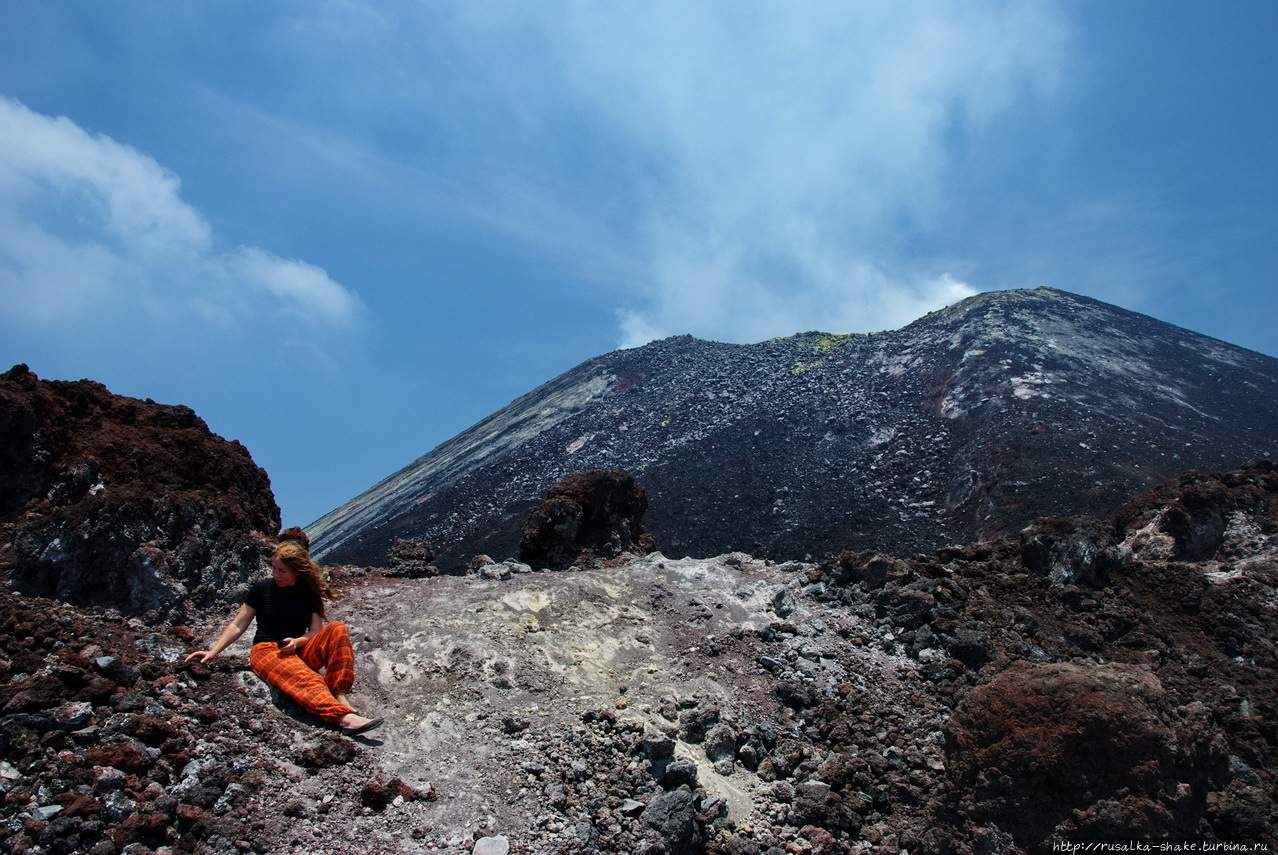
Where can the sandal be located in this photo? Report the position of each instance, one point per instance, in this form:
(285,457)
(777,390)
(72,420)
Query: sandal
(363,728)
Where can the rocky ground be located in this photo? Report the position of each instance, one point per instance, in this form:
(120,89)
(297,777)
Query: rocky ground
(1088,681)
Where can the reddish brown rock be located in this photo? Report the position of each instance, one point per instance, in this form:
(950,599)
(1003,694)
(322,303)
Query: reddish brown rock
(376,795)
(1065,748)
(112,501)
(149,729)
(140,828)
(121,755)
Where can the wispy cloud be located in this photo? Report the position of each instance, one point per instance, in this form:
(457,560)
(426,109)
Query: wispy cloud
(768,167)
(803,149)
(96,232)
(735,170)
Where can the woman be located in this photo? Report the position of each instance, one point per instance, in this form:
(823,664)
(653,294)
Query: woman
(293,642)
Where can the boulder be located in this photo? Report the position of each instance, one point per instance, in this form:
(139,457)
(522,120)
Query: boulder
(116,502)
(588,515)
(1084,751)
(1071,550)
(411,559)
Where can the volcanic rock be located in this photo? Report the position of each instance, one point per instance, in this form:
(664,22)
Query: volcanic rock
(412,559)
(586,516)
(1093,750)
(1071,550)
(966,425)
(112,501)
(1089,679)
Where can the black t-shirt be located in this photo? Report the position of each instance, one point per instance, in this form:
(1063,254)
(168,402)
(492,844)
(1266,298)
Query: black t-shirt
(281,612)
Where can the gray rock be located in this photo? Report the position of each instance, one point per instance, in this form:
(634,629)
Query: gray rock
(117,807)
(234,795)
(783,602)
(496,572)
(496,845)
(73,716)
(721,742)
(108,779)
(656,747)
(679,774)
(772,663)
(1071,550)
(696,722)
(587,836)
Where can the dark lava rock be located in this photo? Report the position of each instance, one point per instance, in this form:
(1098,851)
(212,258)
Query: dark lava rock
(1192,514)
(588,515)
(673,817)
(1071,550)
(112,501)
(411,559)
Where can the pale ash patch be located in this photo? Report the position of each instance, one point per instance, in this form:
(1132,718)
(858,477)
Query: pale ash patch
(578,444)
(482,680)
(1032,385)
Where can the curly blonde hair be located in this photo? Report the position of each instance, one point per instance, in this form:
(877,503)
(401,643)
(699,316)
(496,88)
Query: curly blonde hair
(309,575)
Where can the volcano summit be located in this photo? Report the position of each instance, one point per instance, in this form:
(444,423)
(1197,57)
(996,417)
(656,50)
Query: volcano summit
(964,425)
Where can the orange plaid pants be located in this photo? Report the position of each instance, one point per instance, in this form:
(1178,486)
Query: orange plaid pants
(297,675)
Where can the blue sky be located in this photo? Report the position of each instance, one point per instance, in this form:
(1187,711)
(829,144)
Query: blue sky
(344,231)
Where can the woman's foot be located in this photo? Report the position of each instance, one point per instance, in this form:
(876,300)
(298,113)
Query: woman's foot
(344,701)
(353,724)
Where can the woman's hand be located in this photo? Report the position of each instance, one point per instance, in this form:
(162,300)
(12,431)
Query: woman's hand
(290,646)
(229,636)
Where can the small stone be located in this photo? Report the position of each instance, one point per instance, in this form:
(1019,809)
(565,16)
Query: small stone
(117,807)
(73,716)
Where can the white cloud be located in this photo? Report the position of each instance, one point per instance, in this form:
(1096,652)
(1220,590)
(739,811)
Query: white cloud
(93,232)
(304,288)
(801,147)
(767,167)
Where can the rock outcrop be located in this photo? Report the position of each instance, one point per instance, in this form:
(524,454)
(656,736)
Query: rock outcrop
(587,516)
(113,501)
(966,425)
(1088,752)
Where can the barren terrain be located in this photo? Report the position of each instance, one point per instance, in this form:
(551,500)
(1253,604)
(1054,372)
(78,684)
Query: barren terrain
(1085,681)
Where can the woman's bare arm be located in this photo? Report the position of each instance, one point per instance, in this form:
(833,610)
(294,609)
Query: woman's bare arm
(229,636)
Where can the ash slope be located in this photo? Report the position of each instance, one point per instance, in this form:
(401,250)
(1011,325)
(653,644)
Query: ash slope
(962,426)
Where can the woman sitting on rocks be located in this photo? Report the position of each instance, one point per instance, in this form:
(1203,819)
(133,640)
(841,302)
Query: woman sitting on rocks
(293,642)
